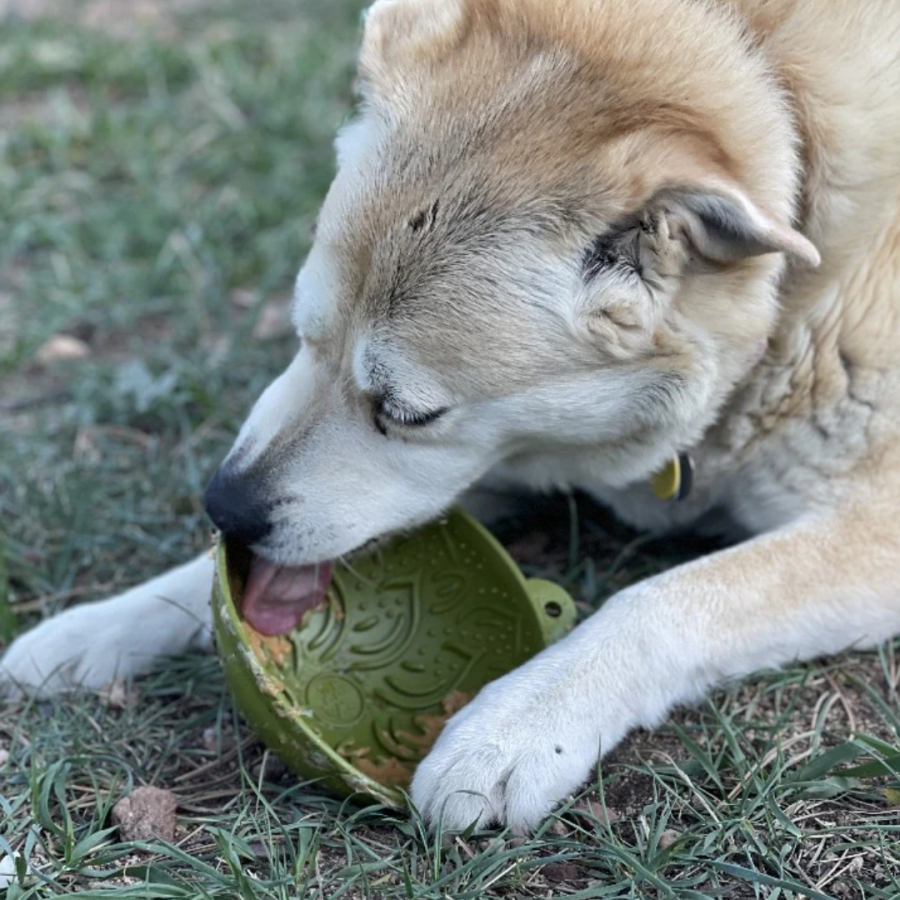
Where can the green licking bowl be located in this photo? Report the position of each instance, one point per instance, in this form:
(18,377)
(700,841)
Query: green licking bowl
(357,694)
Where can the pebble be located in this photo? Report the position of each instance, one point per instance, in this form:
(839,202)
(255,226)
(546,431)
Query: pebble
(147,812)
(561,872)
(667,838)
(62,347)
(274,321)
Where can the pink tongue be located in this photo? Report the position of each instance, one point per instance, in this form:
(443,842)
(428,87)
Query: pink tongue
(277,597)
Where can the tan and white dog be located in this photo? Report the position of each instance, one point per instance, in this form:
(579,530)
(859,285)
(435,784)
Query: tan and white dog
(568,241)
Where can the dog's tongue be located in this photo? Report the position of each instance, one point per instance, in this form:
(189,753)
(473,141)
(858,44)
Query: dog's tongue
(277,597)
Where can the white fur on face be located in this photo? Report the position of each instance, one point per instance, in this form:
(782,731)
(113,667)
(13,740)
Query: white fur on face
(314,291)
(318,285)
(336,479)
(355,140)
(277,411)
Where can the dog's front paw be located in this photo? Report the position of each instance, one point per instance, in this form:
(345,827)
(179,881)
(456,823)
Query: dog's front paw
(512,754)
(76,648)
(89,645)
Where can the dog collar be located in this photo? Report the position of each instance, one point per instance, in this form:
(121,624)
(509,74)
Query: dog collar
(675,479)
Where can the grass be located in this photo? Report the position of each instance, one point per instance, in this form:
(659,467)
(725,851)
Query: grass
(157,188)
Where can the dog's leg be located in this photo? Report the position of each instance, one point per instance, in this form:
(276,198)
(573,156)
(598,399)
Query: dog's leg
(88,645)
(533,736)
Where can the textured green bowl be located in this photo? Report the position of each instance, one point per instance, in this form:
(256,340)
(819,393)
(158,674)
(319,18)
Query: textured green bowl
(357,694)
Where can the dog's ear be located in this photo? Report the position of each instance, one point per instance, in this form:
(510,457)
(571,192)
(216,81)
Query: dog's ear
(723,225)
(631,271)
(400,31)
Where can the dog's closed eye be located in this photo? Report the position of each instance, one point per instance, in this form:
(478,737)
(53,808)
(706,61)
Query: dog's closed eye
(388,412)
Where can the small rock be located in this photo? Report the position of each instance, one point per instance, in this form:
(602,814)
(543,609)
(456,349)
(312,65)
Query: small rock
(274,321)
(211,738)
(146,813)
(60,348)
(4,756)
(560,872)
(667,838)
(116,695)
(217,739)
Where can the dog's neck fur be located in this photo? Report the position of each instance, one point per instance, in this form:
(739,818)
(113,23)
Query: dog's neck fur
(827,329)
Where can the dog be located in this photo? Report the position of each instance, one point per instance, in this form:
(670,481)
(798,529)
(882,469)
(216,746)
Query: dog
(577,244)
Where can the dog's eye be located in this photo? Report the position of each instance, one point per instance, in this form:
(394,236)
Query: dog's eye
(617,252)
(403,417)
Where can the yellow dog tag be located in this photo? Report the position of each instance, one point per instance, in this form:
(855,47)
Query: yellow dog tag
(674,480)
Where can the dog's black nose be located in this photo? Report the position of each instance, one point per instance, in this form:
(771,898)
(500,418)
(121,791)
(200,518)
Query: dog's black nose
(236,504)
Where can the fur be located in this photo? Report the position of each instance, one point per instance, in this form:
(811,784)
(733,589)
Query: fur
(566,241)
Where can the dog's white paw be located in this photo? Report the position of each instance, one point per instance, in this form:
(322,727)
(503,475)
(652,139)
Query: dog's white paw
(532,737)
(522,745)
(89,645)
(79,648)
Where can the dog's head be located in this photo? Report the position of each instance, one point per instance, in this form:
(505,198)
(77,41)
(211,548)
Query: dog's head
(549,239)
